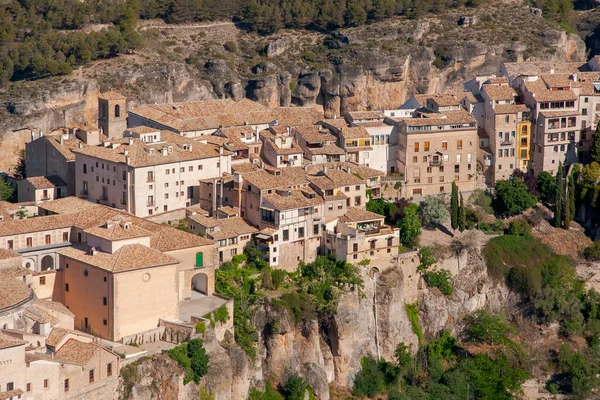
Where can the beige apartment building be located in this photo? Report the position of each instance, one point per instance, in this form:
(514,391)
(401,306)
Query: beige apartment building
(280,149)
(436,150)
(41,188)
(318,145)
(148,172)
(354,140)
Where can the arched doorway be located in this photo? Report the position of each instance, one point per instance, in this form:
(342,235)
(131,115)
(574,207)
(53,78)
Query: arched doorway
(47,263)
(200,283)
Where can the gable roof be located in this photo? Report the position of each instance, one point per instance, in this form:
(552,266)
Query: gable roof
(46,182)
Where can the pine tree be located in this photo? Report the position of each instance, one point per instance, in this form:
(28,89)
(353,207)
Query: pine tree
(462,215)
(454,207)
(560,198)
(21,167)
(595,149)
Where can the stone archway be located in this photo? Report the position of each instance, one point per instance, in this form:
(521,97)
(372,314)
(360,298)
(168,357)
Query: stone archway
(47,263)
(200,283)
(373,271)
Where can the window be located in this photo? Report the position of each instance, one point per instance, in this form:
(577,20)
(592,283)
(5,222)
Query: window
(347,189)
(301,232)
(11,244)
(199,167)
(85,168)
(167,171)
(166,196)
(66,287)
(315,229)
(199,259)
(458,158)
(65,236)
(459,144)
(233,252)
(28,387)
(456,169)
(42,280)
(584,111)
(104,322)
(29,242)
(506,119)
(47,239)
(415,159)
(357,187)
(150,200)
(355,247)
(340,206)
(66,385)
(91,374)
(46,383)
(104,301)
(182,169)
(426,146)
(117,111)
(444,145)
(109,369)
(416,147)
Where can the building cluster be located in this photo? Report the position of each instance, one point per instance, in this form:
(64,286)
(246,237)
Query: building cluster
(90,259)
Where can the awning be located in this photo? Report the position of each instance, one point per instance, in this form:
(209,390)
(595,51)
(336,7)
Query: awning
(597,87)
(262,236)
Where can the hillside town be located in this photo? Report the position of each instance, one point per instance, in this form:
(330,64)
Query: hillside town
(111,249)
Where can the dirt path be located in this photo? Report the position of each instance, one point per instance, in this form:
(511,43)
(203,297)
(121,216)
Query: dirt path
(197,26)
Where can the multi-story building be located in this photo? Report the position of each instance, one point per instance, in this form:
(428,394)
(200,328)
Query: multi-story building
(436,150)
(41,188)
(318,145)
(148,172)
(243,142)
(279,147)
(354,140)
(384,138)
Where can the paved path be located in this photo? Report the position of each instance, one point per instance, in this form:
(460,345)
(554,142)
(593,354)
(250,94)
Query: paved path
(198,306)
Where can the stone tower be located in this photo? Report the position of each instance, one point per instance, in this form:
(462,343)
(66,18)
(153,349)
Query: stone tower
(112,114)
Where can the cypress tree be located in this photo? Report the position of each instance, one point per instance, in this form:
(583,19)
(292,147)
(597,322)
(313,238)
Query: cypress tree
(462,215)
(595,149)
(560,198)
(454,207)
(570,201)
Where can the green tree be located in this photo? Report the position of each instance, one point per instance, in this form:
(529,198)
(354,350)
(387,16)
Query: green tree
(570,201)
(198,359)
(559,216)
(591,172)
(546,185)
(487,327)
(513,197)
(433,212)
(462,215)
(410,226)
(6,191)
(454,207)
(595,149)
(21,167)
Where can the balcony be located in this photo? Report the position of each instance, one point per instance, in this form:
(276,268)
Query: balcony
(506,142)
(84,193)
(150,204)
(150,179)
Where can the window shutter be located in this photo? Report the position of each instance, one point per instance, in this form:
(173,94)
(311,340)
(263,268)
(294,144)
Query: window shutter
(199,259)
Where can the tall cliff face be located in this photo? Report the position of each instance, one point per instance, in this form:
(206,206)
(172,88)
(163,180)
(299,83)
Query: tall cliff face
(370,67)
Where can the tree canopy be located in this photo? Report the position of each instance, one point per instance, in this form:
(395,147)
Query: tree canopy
(513,197)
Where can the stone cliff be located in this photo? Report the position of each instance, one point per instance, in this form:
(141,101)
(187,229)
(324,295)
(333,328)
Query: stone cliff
(329,352)
(370,67)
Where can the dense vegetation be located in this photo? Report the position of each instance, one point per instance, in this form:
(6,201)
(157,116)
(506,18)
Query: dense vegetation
(192,357)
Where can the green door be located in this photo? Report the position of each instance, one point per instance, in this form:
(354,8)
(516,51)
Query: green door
(199,259)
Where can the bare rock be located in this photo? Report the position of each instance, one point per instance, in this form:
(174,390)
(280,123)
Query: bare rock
(277,47)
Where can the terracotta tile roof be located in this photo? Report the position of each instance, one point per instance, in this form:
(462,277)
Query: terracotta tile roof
(550,114)
(542,94)
(232,227)
(298,198)
(111,95)
(499,92)
(35,224)
(7,341)
(53,306)
(356,214)
(558,80)
(77,352)
(364,115)
(354,132)
(446,118)
(213,114)
(6,254)
(67,147)
(532,68)
(203,220)
(244,167)
(142,130)
(270,139)
(329,149)
(446,99)
(58,334)
(362,171)
(314,134)
(139,152)
(333,179)
(11,394)
(471,97)
(88,214)
(290,176)
(337,123)
(43,182)
(510,108)
(497,80)
(39,315)
(227,210)
(118,228)
(127,258)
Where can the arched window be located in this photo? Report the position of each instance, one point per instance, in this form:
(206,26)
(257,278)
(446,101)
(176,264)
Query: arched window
(117,111)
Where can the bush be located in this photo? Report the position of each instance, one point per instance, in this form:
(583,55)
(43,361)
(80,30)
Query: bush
(410,226)
(269,394)
(426,258)
(200,327)
(482,200)
(221,314)
(496,228)
(277,276)
(592,253)
(433,212)
(505,252)
(519,227)
(441,279)
(370,381)
(486,327)
(513,197)
(412,310)
(294,388)
(192,357)
(299,305)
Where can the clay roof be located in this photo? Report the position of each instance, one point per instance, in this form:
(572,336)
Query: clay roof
(6,254)
(111,95)
(206,222)
(532,68)
(499,92)
(11,394)
(142,130)
(297,116)
(182,149)
(471,97)
(67,146)
(53,306)
(497,80)
(314,134)
(118,228)
(446,99)
(446,118)
(558,80)
(228,210)
(364,115)
(510,108)
(58,334)
(356,214)
(127,258)
(77,352)
(330,149)
(39,315)
(7,341)
(46,182)
(333,179)
(232,227)
(354,132)
(271,140)
(542,94)
(290,176)
(338,123)
(35,224)
(295,199)
(87,215)
(550,114)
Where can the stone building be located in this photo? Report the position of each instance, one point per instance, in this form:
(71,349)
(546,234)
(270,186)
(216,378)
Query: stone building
(41,188)
(112,114)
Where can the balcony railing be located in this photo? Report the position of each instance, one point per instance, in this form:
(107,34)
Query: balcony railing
(508,142)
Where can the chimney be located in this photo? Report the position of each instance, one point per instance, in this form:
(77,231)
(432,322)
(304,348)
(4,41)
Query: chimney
(41,133)
(32,135)
(289,130)
(127,160)
(220,150)
(126,152)
(93,251)
(80,145)
(324,169)
(61,140)
(130,140)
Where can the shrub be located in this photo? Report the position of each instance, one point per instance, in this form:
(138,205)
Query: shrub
(433,212)
(519,227)
(412,310)
(370,381)
(505,252)
(230,47)
(486,327)
(200,327)
(513,197)
(299,305)
(410,226)
(482,200)
(496,228)
(592,253)
(294,388)
(269,394)
(426,258)
(221,314)
(277,276)
(192,357)
(441,279)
